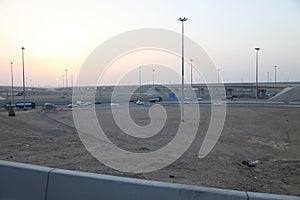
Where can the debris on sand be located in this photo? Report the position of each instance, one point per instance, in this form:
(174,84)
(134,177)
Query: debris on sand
(250,163)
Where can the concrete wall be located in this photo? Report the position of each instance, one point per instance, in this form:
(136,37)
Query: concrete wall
(290,94)
(23,181)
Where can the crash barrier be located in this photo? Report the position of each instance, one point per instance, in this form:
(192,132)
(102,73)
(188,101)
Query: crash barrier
(24,181)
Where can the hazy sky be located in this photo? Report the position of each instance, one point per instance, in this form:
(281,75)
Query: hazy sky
(60,34)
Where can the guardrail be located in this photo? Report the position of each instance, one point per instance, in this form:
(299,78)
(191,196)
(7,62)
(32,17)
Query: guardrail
(24,181)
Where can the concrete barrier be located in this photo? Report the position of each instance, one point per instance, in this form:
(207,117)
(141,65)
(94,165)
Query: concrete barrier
(263,196)
(65,184)
(24,181)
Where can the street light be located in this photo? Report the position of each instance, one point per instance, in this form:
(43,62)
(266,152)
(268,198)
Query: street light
(153,70)
(182,20)
(63,79)
(256,81)
(23,49)
(12,81)
(275,69)
(140,82)
(72,81)
(66,78)
(268,77)
(191,73)
(218,75)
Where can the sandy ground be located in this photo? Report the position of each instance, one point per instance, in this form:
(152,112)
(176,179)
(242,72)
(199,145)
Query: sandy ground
(270,135)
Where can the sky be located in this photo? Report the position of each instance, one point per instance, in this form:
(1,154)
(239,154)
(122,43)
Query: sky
(61,34)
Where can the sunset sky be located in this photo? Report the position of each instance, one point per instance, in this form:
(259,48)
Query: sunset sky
(60,34)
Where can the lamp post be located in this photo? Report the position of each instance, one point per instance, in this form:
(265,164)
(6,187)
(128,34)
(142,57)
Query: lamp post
(63,79)
(256,64)
(72,81)
(182,20)
(275,70)
(23,49)
(12,81)
(66,78)
(140,82)
(218,75)
(268,77)
(191,73)
(153,71)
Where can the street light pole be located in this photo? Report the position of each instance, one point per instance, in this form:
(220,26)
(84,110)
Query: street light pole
(268,77)
(153,70)
(256,80)
(218,75)
(191,73)
(63,79)
(182,20)
(140,82)
(23,49)
(66,78)
(275,69)
(72,81)
(12,81)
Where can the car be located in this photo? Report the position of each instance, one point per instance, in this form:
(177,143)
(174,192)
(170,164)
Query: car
(49,106)
(139,102)
(72,106)
(155,99)
(81,103)
(231,97)
(133,100)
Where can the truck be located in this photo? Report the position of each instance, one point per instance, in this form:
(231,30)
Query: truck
(28,104)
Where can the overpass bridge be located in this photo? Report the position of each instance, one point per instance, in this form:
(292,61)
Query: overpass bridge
(103,93)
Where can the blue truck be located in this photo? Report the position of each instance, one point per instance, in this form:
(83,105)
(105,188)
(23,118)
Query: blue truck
(28,104)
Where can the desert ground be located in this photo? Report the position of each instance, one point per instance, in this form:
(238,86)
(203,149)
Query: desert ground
(268,134)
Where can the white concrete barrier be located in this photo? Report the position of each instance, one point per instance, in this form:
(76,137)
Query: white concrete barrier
(73,185)
(263,196)
(24,181)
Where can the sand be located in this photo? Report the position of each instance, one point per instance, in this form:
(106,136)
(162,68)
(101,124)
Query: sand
(268,134)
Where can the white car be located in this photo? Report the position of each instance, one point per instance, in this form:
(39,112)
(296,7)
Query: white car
(139,102)
(49,106)
(72,106)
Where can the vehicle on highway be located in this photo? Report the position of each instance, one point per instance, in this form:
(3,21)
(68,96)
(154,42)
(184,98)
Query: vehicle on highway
(139,102)
(231,98)
(29,104)
(155,99)
(81,103)
(133,100)
(71,105)
(49,106)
